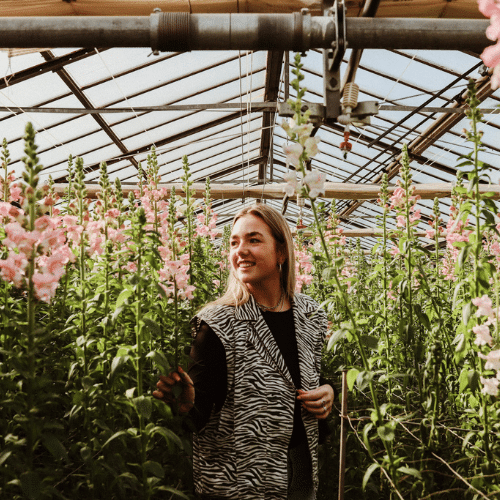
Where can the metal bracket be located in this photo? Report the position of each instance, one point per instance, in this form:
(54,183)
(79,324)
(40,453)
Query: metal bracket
(361,114)
(332,58)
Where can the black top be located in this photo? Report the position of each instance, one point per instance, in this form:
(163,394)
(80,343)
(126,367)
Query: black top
(208,369)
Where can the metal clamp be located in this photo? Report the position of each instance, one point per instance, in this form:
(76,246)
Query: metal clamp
(169,31)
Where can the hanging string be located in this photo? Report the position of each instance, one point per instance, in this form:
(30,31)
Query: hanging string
(146,130)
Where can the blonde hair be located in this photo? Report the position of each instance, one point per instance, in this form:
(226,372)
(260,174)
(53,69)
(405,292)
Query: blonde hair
(237,293)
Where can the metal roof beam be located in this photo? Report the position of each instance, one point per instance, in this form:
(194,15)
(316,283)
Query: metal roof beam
(273,73)
(167,31)
(53,64)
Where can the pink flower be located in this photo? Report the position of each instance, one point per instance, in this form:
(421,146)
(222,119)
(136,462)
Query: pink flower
(216,283)
(131,267)
(45,285)
(113,213)
(492,360)
(202,231)
(488,7)
(15,193)
(490,386)
(401,221)
(483,336)
(293,152)
(430,233)
(484,306)
(13,268)
(416,215)
(395,251)
(398,197)
(316,182)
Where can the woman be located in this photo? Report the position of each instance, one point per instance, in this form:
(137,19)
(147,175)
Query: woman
(253,388)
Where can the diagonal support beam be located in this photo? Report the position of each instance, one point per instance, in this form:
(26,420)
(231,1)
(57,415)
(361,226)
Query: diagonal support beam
(437,129)
(77,91)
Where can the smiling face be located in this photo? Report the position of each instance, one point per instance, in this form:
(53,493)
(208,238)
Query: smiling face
(253,255)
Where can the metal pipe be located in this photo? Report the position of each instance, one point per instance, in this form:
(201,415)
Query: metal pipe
(298,32)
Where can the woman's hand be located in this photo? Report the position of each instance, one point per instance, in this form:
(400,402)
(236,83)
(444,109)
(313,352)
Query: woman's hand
(318,401)
(166,389)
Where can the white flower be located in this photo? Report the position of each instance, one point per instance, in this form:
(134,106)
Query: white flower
(303,131)
(288,127)
(291,183)
(315,180)
(490,386)
(311,146)
(492,360)
(292,153)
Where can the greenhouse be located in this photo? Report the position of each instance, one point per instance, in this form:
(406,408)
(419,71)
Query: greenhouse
(141,141)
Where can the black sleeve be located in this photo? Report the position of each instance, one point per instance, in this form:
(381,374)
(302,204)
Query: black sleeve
(208,370)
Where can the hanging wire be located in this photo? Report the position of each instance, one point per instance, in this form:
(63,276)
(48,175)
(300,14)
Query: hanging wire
(146,130)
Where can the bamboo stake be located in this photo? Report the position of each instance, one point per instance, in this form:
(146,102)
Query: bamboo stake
(343,435)
(333,190)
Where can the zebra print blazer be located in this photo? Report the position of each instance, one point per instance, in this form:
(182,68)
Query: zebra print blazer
(242,451)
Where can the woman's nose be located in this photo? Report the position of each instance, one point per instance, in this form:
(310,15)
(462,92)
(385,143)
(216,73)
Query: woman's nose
(242,249)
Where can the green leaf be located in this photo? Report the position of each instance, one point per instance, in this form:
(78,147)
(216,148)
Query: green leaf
(473,377)
(55,447)
(154,468)
(410,471)
(461,343)
(160,360)
(153,326)
(124,295)
(30,484)
(352,375)
(369,341)
(113,437)
(335,337)
(168,435)
(173,491)
(4,456)
(463,380)
(116,365)
(386,432)
(86,453)
(368,474)
(466,311)
(144,406)
(456,292)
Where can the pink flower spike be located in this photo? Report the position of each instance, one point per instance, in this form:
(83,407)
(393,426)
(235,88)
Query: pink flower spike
(483,336)
(491,55)
(484,306)
(490,386)
(492,360)
(488,7)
